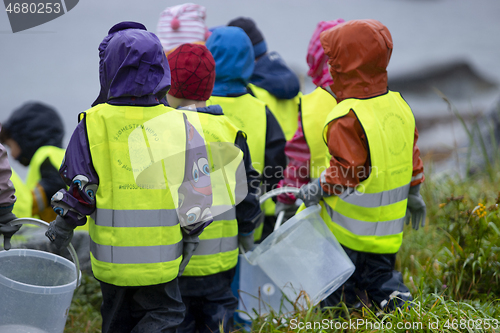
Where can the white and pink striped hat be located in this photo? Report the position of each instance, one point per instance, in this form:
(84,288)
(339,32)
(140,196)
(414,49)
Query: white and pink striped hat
(182,24)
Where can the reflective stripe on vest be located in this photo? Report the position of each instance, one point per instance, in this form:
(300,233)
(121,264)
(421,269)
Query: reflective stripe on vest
(363,228)
(370,218)
(129,218)
(135,254)
(315,107)
(218,248)
(248,114)
(371,200)
(136,237)
(286,111)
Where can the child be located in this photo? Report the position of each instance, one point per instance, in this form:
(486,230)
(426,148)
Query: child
(34,134)
(307,153)
(375,170)
(234,57)
(138,247)
(206,283)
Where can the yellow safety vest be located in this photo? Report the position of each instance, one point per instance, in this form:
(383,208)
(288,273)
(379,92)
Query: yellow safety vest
(135,233)
(218,248)
(286,111)
(24,199)
(315,107)
(370,218)
(248,114)
(56,156)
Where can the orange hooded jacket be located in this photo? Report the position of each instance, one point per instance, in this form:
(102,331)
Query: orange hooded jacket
(359,52)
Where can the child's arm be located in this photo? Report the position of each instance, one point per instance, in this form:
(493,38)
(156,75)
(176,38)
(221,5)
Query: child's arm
(74,204)
(297,172)
(7,199)
(350,160)
(78,172)
(418,165)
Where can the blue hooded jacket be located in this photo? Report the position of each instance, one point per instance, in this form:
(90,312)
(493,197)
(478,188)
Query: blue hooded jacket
(234,60)
(272,74)
(133,69)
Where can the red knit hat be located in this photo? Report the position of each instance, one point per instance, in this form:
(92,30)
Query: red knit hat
(192,68)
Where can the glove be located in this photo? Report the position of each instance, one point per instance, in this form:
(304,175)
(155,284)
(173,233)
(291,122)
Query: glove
(7,230)
(50,180)
(60,233)
(190,243)
(416,208)
(289,209)
(246,241)
(311,193)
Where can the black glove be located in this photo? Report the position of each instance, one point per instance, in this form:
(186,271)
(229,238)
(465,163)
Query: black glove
(289,210)
(311,193)
(7,230)
(190,243)
(416,208)
(50,180)
(60,233)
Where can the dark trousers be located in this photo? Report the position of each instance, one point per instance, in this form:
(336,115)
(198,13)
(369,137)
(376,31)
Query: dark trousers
(204,314)
(375,276)
(146,309)
(209,302)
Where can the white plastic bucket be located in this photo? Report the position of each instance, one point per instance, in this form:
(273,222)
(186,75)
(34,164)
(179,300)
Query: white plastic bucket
(258,294)
(302,255)
(36,289)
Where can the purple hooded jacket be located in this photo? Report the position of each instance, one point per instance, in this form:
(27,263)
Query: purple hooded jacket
(133,71)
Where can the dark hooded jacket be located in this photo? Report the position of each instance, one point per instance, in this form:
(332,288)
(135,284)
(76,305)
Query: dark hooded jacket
(272,74)
(33,125)
(133,70)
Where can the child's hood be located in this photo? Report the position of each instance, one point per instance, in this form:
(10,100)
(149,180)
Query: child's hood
(359,52)
(132,63)
(234,60)
(272,74)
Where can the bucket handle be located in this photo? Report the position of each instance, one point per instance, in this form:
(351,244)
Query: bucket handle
(274,193)
(278,191)
(71,249)
(281,215)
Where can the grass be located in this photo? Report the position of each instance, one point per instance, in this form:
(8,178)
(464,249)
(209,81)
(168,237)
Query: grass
(451,266)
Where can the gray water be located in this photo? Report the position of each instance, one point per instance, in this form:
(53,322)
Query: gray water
(57,62)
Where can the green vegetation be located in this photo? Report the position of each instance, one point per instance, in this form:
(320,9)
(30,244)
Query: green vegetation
(85,314)
(451,266)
